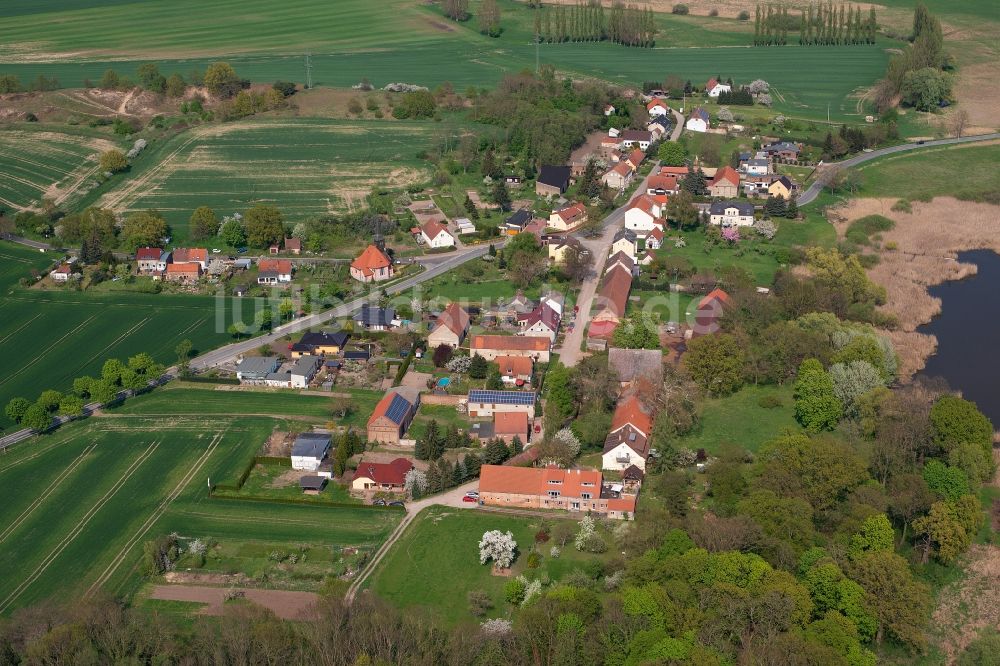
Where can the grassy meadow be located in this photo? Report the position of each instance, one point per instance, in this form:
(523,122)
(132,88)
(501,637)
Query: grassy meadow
(446,540)
(77,506)
(742,419)
(970,172)
(308,167)
(42,163)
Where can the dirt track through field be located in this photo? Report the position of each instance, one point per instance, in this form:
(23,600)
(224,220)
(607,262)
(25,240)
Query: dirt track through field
(52,487)
(285,604)
(153,517)
(75,532)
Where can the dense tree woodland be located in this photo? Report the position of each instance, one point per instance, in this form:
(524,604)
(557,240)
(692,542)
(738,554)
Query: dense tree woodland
(544,118)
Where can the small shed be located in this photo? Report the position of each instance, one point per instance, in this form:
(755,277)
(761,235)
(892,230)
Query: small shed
(312,485)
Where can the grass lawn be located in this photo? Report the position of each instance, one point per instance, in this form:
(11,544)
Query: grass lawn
(17,262)
(445,541)
(740,419)
(264,481)
(930,172)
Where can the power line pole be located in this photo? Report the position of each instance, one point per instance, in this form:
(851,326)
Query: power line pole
(309,78)
(536,52)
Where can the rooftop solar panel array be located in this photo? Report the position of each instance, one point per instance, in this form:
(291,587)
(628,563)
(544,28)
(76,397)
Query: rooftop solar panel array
(503,397)
(397,409)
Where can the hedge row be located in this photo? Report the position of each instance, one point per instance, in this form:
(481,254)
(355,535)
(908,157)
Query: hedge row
(296,500)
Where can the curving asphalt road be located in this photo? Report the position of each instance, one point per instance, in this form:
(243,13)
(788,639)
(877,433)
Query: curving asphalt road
(813,190)
(432,269)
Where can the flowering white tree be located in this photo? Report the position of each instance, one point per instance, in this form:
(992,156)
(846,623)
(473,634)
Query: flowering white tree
(533,589)
(459,364)
(499,547)
(496,627)
(555,552)
(572,442)
(587,530)
(197,547)
(612,582)
(759,86)
(415,480)
(725,115)
(764,99)
(766,228)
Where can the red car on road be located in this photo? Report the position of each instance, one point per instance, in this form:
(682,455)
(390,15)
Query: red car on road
(469,499)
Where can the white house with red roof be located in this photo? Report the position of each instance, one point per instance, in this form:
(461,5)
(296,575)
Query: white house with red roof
(542,321)
(372,265)
(628,442)
(451,327)
(714,88)
(435,234)
(654,241)
(62,273)
(273,271)
(150,260)
(657,107)
(642,215)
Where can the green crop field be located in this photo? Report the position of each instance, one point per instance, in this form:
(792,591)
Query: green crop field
(306,167)
(76,506)
(51,337)
(57,165)
(18,262)
(405,40)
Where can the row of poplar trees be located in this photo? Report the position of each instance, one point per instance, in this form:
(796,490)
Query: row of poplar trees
(821,24)
(629,25)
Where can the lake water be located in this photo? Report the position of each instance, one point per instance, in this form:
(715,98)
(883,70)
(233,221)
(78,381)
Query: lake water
(968,330)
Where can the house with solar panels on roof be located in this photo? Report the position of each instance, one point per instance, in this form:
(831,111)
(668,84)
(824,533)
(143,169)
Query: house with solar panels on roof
(485,403)
(393,415)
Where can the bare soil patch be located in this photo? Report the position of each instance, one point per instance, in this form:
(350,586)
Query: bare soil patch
(977,97)
(928,241)
(285,604)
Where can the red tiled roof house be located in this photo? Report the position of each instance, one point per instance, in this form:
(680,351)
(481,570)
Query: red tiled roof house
(372,265)
(381,477)
(451,327)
